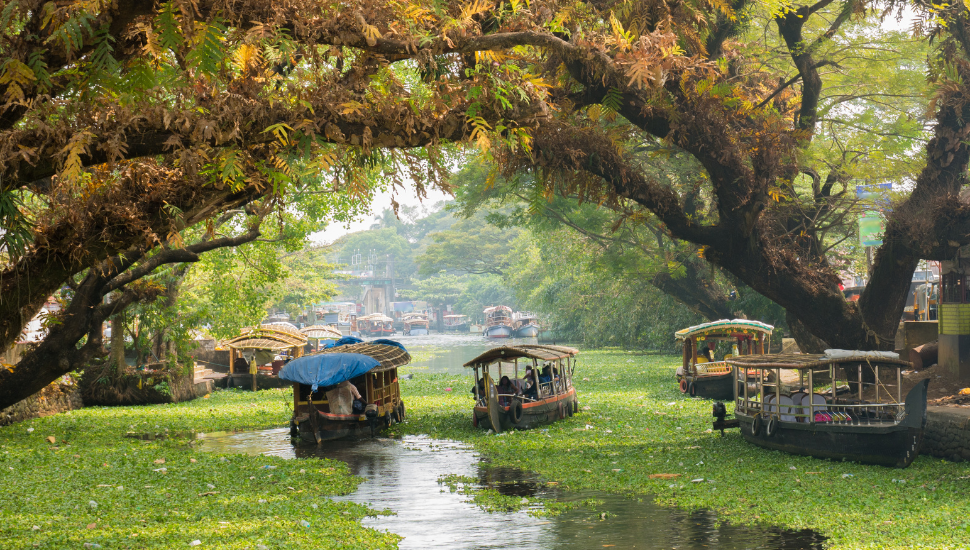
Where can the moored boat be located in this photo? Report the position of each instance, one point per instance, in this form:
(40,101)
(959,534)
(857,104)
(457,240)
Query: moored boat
(346,391)
(375,324)
(498,322)
(323,335)
(415,324)
(258,352)
(525,325)
(701,373)
(544,394)
(844,405)
(456,323)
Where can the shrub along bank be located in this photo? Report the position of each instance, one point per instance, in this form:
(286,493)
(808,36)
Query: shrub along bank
(73,481)
(635,423)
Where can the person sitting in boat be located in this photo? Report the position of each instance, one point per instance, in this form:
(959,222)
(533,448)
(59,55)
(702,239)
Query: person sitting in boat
(506,389)
(341,398)
(708,352)
(478,390)
(545,378)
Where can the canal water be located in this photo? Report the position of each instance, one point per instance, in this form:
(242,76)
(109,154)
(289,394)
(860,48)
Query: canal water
(446,353)
(404,476)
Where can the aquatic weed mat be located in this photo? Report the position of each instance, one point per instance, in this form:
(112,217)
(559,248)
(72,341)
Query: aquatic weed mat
(75,481)
(634,423)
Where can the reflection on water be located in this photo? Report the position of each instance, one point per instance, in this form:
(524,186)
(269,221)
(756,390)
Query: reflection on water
(446,353)
(402,476)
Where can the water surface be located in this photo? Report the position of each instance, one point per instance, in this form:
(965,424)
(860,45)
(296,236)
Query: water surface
(402,475)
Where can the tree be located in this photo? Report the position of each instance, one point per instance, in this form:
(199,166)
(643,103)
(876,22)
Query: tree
(471,245)
(124,123)
(439,291)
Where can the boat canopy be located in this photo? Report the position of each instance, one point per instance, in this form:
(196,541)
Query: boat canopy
(272,336)
(380,317)
(542,353)
(725,327)
(337,364)
(812,360)
(455,316)
(321,332)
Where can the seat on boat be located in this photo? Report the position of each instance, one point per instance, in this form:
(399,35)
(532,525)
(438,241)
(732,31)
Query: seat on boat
(785,408)
(798,410)
(702,359)
(770,404)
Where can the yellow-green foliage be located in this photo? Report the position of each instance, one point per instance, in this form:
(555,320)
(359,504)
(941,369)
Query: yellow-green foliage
(92,485)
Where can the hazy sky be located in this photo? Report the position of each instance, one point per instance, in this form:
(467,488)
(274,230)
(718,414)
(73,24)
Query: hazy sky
(381,201)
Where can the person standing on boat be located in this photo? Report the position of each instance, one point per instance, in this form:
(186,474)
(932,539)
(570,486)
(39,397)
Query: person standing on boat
(341,398)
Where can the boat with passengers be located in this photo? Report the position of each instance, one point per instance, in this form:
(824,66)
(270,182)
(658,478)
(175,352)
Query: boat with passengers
(701,372)
(545,393)
(841,405)
(348,390)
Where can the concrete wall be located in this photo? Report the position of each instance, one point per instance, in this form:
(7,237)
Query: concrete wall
(53,399)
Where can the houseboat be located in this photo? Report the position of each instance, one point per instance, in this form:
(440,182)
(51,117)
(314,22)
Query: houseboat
(375,324)
(259,351)
(544,394)
(843,405)
(498,322)
(701,372)
(415,324)
(525,325)
(322,335)
(456,323)
(346,391)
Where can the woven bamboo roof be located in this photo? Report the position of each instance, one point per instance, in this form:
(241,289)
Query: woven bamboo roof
(319,332)
(375,317)
(810,360)
(531,351)
(272,336)
(389,356)
(725,327)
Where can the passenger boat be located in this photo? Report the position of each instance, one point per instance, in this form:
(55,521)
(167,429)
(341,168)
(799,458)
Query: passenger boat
(254,354)
(375,324)
(498,322)
(456,323)
(322,335)
(844,405)
(707,377)
(544,394)
(324,406)
(525,325)
(415,324)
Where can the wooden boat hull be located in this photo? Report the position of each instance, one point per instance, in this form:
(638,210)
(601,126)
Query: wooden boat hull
(498,331)
(534,414)
(719,387)
(338,426)
(884,445)
(527,331)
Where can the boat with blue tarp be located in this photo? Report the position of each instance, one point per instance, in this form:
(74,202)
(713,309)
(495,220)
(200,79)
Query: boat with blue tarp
(348,390)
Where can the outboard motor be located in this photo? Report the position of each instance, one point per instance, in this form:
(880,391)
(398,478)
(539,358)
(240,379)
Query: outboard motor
(719,410)
(370,411)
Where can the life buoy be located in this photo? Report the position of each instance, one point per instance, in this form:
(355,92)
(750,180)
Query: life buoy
(576,406)
(400,411)
(756,425)
(683,385)
(515,411)
(474,420)
(569,409)
(772,426)
(692,390)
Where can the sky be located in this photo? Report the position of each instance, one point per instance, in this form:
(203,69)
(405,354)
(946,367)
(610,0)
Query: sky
(405,198)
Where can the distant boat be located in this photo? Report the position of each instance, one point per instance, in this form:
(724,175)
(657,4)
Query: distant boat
(415,324)
(375,324)
(456,323)
(498,322)
(525,325)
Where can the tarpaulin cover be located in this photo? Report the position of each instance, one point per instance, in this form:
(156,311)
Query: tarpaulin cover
(387,342)
(327,369)
(345,341)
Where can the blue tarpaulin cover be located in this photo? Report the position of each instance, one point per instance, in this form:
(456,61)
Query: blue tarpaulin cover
(345,341)
(327,369)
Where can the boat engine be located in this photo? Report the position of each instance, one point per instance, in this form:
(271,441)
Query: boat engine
(719,410)
(371,413)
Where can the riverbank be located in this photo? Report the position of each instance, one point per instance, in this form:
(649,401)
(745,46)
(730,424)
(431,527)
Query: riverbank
(74,480)
(634,423)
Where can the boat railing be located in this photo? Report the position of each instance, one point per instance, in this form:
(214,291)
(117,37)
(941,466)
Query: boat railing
(837,412)
(717,367)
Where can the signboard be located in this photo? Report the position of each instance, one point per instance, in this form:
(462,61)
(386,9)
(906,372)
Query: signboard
(871,227)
